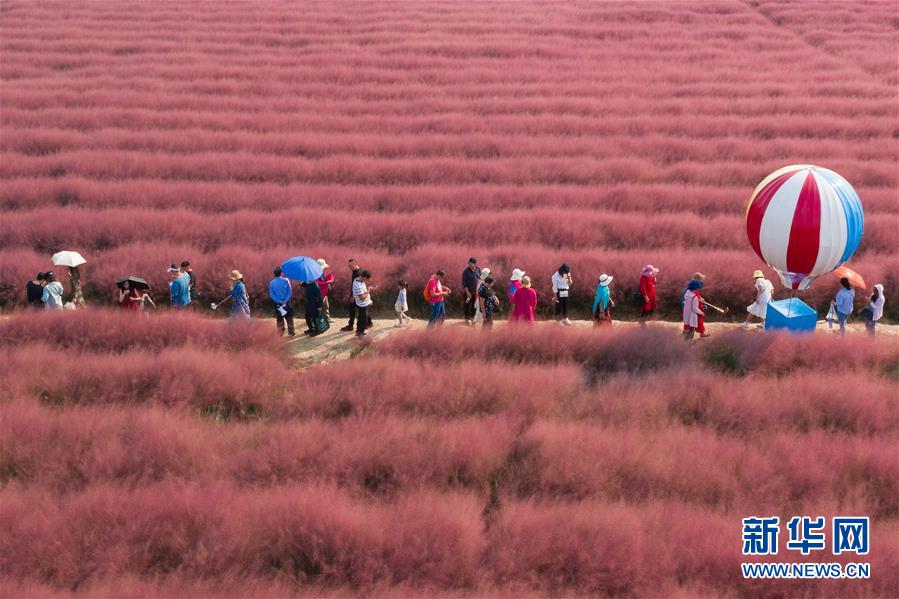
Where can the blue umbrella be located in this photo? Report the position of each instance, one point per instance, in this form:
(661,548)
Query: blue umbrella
(302,268)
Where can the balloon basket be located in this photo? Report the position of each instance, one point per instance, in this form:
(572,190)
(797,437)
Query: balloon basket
(791,315)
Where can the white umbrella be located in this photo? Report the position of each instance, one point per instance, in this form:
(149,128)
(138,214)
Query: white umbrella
(70,259)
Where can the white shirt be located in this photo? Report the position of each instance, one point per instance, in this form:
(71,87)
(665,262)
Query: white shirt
(359,289)
(52,296)
(560,282)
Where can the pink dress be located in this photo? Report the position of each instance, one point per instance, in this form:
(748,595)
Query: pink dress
(525,300)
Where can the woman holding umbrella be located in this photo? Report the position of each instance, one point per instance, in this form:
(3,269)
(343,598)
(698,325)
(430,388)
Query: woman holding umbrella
(129,297)
(133,293)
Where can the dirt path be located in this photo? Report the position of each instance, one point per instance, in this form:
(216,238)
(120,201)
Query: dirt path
(339,345)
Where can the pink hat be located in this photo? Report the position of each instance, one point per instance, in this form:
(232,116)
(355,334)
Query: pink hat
(649,271)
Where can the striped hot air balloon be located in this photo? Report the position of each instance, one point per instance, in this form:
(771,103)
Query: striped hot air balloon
(804,221)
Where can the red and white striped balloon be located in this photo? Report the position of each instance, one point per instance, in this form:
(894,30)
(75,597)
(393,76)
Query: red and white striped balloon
(804,221)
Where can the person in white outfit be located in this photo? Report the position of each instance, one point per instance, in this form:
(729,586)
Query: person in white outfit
(561,281)
(402,305)
(692,308)
(874,310)
(759,308)
(52,295)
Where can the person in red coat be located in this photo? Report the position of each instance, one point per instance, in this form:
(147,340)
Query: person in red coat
(648,291)
(524,300)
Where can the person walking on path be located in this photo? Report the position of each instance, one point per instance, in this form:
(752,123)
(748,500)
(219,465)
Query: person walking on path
(525,301)
(325,283)
(240,301)
(488,302)
(648,292)
(844,303)
(515,282)
(312,308)
(700,318)
(471,282)
(436,293)
(561,281)
(602,302)
(759,308)
(130,298)
(402,305)
(479,312)
(874,310)
(355,269)
(279,290)
(362,298)
(34,291)
(191,279)
(697,276)
(179,287)
(52,293)
(692,309)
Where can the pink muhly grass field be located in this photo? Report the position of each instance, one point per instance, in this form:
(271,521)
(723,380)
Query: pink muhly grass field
(527,461)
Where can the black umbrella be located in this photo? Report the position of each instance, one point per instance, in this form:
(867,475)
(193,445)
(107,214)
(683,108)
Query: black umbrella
(134,282)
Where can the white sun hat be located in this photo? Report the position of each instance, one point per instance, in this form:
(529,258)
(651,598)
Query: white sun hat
(605,280)
(517,274)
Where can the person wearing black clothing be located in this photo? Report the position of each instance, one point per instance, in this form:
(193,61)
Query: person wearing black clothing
(489,301)
(352,307)
(471,280)
(192,287)
(313,306)
(35,291)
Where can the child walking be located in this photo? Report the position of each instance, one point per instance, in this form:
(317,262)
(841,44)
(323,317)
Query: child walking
(401,305)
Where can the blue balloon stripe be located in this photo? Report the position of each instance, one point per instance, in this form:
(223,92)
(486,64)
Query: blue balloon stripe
(852,209)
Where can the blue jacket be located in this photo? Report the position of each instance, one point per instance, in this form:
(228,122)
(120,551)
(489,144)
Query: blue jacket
(180,290)
(279,290)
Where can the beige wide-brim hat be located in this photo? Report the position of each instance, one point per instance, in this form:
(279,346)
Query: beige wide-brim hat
(758,275)
(485,272)
(235,275)
(517,274)
(605,280)
(322,263)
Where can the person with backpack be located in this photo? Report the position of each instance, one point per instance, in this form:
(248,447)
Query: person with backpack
(325,283)
(525,301)
(355,269)
(561,282)
(362,297)
(602,302)
(435,293)
(478,312)
(471,281)
(279,290)
(874,310)
(647,292)
(692,309)
(52,293)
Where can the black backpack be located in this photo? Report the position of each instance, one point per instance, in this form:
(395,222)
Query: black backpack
(637,299)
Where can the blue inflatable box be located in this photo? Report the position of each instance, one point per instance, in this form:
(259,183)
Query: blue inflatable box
(791,314)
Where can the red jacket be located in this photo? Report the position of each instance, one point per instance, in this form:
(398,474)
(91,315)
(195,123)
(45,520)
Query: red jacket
(648,289)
